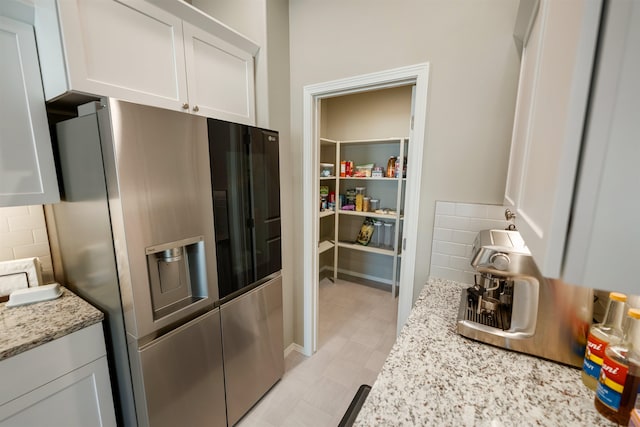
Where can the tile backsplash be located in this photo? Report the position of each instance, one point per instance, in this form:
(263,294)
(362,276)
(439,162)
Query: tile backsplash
(455,228)
(23,234)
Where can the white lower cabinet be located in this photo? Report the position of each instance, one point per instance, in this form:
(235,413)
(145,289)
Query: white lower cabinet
(61,383)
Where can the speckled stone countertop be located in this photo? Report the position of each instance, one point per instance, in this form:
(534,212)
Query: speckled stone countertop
(25,327)
(433,376)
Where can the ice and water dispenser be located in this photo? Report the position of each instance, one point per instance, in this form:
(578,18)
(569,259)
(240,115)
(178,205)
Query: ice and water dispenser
(177,275)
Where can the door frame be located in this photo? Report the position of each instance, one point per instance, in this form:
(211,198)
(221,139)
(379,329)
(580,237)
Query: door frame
(417,75)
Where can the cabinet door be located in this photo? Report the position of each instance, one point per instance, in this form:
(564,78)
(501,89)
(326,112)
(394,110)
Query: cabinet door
(549,123)
(27,171)
(127,49)
(182,371)
(603,241)
(220,77)
(80,398)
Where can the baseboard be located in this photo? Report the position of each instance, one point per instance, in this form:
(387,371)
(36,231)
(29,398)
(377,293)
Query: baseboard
(358,275)
(369,277)
(325,268)
(293,347)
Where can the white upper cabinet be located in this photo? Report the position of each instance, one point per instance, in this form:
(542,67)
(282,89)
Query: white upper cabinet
(126,49)
(27,171)
(557,62)
(140,52)
(573,173)
(604,238)
(220,76)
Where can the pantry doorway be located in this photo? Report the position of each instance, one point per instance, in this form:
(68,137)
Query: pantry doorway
(415,76)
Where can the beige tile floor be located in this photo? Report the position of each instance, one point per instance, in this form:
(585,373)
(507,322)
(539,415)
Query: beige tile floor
(356,330)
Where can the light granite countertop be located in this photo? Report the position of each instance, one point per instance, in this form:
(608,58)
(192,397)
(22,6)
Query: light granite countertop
(433,376)
(25,327)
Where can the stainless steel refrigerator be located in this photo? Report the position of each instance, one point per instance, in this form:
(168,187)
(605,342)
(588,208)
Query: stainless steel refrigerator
(135,235)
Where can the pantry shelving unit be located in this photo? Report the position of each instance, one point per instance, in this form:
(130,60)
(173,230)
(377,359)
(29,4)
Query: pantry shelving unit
(339,233)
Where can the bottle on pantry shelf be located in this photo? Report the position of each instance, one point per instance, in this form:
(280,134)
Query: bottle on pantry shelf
(600,335)
(343,168)
(323,203)
(620,374)
(360,198)
(391,167)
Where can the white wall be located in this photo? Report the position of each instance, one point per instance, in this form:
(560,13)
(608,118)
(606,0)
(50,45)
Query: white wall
(369,115)
(473,80)
(23,234)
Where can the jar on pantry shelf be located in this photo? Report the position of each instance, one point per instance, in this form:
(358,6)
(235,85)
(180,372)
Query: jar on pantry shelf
(377,239)
(619,380)
(375,205)
(388,235)
(366,204)
(350,197)
(601,335)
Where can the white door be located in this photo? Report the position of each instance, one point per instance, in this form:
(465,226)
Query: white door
(127,49)
(556,75)
(220,77)
(27,171)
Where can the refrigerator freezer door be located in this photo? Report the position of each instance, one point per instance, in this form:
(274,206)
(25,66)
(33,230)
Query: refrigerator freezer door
(252,346)
(183,377)
(158,179)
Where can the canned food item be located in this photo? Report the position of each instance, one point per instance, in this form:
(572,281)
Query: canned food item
(349,169)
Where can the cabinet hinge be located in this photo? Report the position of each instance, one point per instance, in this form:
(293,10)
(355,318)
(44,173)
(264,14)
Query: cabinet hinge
(412,120)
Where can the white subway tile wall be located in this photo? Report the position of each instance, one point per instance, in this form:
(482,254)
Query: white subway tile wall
(456,226)
(23,234)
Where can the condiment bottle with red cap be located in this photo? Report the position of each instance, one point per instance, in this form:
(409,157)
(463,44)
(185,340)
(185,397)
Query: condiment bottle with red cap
(600,335)
(620,374)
